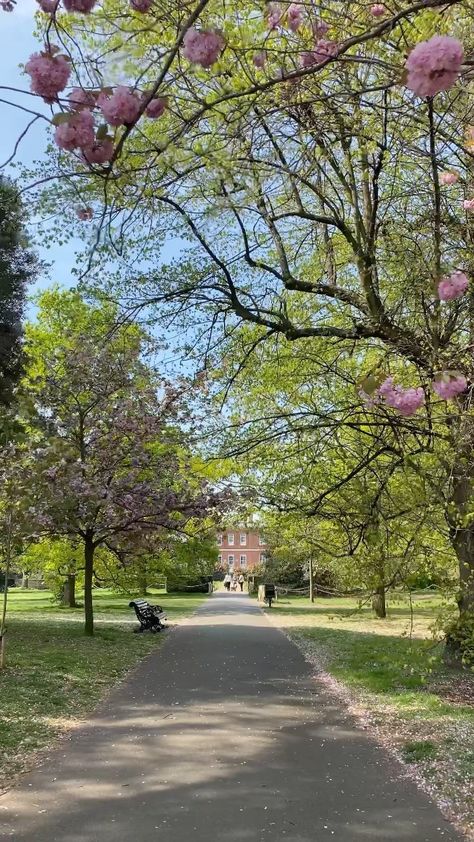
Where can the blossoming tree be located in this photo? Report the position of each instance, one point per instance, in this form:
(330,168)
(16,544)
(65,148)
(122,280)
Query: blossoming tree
(313,152)
(110,468)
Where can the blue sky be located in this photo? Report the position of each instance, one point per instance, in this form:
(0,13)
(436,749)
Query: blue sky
(16,45)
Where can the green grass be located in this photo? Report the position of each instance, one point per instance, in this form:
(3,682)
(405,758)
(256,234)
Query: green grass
(54,675)
(393,668)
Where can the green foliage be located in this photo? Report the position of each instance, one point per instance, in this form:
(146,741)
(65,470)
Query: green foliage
(18,267)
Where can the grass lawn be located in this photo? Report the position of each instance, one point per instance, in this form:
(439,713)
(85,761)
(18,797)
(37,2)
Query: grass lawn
(55,676)
(392,673)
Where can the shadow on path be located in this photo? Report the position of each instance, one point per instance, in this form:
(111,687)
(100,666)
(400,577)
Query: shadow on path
(221,734)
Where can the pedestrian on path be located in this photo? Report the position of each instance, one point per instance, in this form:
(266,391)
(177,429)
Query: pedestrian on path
(241,581)
(227,581)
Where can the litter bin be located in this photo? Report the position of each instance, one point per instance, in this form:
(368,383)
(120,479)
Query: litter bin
(267,593)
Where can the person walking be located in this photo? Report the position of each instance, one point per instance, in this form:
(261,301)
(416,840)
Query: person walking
(241,581)
(227,581)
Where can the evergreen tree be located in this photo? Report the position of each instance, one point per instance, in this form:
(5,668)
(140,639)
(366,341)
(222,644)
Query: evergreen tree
(18,266)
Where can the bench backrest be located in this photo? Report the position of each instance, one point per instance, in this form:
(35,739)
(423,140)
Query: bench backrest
(144,609)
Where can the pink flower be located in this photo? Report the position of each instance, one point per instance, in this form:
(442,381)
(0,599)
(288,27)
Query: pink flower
(320,27)
(448,177)
(453,286)
(260,58)
(468,204)
(99,152)
(275,15)
(49,74)
(203,46)
(120,107)
(377,10)
(156,107)
(295,15)
(48,6)
(79,99)
(82,6)
(434,65)
(323,50)
(77,132)
(141,5)
(406,401)
(84,214)
(449,385)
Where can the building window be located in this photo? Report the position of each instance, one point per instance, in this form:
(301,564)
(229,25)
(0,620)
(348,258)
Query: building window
(263,556)
(219,540)
(261,540)
(243,539)
(219,558)
(230,559)
(243,561)
(230,539)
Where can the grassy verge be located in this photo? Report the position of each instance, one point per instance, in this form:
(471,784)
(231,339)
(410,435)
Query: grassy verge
(54,676)
(391,673)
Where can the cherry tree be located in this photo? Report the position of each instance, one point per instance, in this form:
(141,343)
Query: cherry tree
(110,467)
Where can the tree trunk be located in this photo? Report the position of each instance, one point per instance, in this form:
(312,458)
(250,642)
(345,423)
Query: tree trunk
(8,560)
(68,598)
(379,603)
(88,576)
(461,528)
(311,580)
(143,584)
(24,580)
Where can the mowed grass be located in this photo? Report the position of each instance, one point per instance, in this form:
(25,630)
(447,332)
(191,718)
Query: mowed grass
(393,670)
(54,676)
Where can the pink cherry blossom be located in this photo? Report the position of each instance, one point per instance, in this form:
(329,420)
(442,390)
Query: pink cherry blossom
(48,6)
(156,107)
(405,401)
(449,385)
(320,27)
(84,214)
(203,46)
(275,14)
(141,5)
(434,65)
(77,132)
(99,152)
(81,6)
(49,74)
(120,107)
(79,99)
(323,50)
(260,58)
(377,10)
(468,204)
(453,286)
(295,16)
(448,178)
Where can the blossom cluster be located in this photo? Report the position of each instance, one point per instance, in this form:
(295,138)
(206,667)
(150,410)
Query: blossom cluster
(203,46)
(453,286)
(449,385)
(434,65)
(406,401)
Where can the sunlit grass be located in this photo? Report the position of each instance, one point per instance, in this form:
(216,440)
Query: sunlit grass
(54,675)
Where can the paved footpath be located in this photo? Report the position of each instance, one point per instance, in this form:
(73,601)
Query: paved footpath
(220,735)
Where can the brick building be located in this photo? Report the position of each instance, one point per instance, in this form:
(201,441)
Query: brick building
(241,549)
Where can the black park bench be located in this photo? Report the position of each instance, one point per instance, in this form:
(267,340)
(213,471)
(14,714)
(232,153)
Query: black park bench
(149,616)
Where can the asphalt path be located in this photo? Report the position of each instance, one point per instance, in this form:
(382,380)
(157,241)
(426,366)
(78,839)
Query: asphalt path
(221,734)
